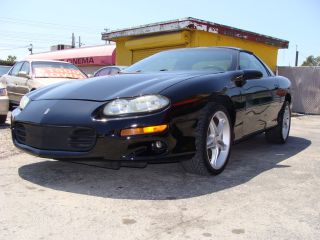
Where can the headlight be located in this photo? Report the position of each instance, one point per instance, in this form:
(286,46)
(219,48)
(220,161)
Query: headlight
(24,102)
(3,92)
(148,103)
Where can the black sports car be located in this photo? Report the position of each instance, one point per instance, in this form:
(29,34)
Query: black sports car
(185,104)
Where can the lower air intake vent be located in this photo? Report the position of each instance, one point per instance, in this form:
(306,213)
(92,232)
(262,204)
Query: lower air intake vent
(59,138)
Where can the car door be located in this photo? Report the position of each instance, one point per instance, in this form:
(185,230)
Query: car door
(11,83)
(21,87)
(260,95)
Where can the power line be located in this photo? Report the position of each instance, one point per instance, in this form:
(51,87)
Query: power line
(39,34)
(49,23)
(16,37)
(46,24)
(11,39)
(13,48)
(57,34)
(46,40)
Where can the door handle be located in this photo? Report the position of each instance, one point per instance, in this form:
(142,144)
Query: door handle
(276,85)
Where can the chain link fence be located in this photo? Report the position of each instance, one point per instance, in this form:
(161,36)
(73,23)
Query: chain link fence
(305,88)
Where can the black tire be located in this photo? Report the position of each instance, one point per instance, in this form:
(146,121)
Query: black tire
(3,119)
(275,135)
(200,163)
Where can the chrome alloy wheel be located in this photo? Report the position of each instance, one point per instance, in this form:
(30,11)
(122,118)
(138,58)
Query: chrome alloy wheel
(286,122)
(218,140)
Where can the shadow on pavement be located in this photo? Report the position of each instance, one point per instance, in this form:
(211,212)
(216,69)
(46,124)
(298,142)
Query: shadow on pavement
(5,126)
(163,181)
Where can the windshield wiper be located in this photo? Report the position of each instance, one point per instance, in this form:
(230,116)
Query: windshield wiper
(163,70)
(56,77)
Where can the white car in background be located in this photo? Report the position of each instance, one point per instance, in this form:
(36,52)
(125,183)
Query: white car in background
(29,75)
(4,104)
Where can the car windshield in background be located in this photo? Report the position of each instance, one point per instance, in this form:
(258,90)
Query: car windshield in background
(4,70)
(56,70)
(202,59)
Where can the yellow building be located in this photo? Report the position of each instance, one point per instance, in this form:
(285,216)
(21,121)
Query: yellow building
(136,43)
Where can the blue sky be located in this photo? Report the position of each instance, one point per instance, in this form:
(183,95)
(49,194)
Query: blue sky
(45,23)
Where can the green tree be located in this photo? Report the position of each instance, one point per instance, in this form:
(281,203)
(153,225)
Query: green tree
(311,61)
(11,59)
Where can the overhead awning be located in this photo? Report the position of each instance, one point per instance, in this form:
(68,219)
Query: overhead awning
(190,23)
(84,56)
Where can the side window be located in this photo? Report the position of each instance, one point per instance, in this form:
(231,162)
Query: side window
(250,62)
(16,69)
(114,71)
(25,67)
(103,72)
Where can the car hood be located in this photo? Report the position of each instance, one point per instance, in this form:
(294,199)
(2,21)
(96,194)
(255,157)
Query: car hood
(42,82)
(111,87)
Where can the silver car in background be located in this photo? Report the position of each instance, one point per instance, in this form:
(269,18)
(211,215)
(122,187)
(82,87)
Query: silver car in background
(108,70)
(26,76)
(4,100)
(4,104)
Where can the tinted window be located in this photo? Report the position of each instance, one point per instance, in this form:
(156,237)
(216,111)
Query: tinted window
(250,62)
(16,69)
(26,67)
(199,59)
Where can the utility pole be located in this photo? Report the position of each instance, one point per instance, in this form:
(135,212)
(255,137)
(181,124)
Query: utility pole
(73,41)
(297,56)
(30,48)
(107,30)
(80,42)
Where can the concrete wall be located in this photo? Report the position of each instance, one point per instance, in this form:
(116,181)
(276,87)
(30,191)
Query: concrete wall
(305,88)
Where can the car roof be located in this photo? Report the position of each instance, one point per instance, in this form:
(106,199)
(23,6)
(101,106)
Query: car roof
(43,60)
(234,48)
(216,47)
(117,66)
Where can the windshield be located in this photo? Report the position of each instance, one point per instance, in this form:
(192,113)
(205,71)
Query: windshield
(197,59)
(56,70)
(4,70)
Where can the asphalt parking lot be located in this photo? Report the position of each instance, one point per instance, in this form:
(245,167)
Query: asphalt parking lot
(266,192)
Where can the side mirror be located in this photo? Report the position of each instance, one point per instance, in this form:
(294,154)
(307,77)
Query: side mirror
(23,74)
(242,76)
(251,74)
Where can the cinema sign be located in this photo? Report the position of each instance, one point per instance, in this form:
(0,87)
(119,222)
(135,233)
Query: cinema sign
(88,61)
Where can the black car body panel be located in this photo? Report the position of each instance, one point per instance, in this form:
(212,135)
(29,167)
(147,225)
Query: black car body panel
(116,86)
(72,109)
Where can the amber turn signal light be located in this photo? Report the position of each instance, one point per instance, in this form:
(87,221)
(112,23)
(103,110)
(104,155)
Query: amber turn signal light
(143,130)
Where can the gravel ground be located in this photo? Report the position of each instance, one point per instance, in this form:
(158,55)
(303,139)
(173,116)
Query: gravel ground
(266,192)
(6,147)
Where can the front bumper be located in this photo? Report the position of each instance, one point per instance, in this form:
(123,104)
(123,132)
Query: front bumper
(4,105)
(176,142)
(114,148)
